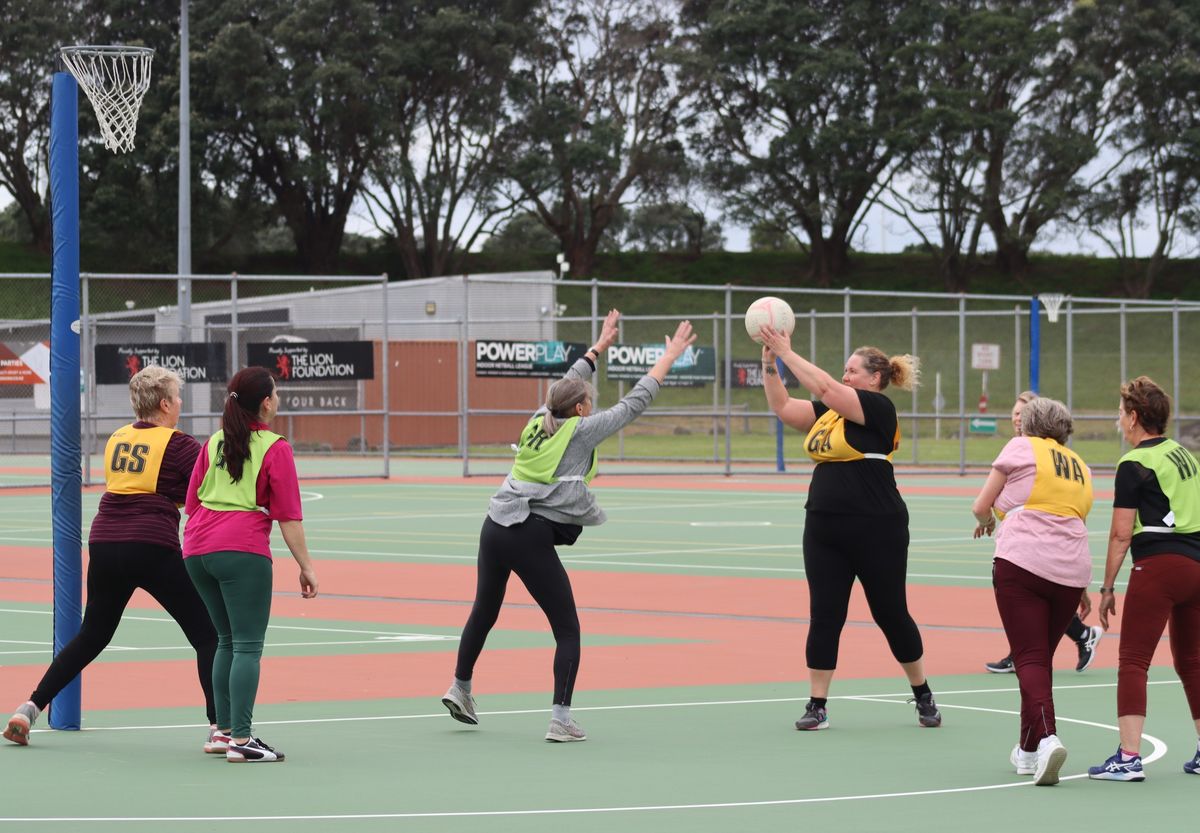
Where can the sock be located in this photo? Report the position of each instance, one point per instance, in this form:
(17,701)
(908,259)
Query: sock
(1198,746)
(922,689)
(818,702)
(465,685)
(560,713)
(1129,756)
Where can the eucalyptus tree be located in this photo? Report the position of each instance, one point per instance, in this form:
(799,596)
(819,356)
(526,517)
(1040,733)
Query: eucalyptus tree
(291,96)
(430,191)
(804,111)
(593,106)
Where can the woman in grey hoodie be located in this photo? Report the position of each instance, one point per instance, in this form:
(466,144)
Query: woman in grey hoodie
(545,501)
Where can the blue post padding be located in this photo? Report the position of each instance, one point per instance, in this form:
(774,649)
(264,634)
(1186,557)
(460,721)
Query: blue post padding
(66,475)
(780,464)
(1035,345)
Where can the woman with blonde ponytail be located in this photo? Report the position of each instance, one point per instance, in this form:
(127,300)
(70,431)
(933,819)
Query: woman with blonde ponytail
(856,523)
(545,501)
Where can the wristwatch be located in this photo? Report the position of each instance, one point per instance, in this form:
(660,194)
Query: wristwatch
(1108,589)
(770,370)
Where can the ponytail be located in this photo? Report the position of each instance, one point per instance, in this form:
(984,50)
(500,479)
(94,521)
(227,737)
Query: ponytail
(561,399)
(247,390)
(902,371)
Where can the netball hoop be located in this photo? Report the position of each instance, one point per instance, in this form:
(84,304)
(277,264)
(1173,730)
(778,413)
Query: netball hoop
(115,79)
(1053,302)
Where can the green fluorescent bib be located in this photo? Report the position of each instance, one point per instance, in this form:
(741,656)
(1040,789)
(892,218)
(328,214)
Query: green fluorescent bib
(1179,478)
(538,454)
(218,491)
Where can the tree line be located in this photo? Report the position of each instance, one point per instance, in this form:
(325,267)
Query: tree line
(592,125)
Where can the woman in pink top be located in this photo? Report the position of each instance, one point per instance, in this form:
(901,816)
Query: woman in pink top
(245,478)
(1042,565)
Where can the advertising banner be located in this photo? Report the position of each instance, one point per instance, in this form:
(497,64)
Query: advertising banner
(538,359)
(749,375)
(314,361)
(697,366)
(117,363)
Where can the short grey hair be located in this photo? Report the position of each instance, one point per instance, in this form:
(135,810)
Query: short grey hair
(1047,418)
(150,386)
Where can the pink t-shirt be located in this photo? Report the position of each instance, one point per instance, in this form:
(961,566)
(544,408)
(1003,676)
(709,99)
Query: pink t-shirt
(277,494)
(1052,547)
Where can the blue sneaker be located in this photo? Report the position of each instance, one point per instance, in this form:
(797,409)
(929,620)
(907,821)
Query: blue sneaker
(1192,767)
(1114,769)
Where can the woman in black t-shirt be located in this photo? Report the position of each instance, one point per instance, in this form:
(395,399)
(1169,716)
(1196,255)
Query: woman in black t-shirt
(856,524)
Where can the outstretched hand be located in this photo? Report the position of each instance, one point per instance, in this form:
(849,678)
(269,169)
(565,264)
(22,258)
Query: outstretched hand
(608,331)
(776,341)
(683,338)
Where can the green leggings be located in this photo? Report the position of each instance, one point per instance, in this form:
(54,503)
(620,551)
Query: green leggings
(236,589)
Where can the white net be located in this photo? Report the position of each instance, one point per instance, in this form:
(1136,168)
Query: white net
(1053,302)
(114,78)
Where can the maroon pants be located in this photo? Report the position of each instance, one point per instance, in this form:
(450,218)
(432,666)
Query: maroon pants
(1035,613)
(1162,589)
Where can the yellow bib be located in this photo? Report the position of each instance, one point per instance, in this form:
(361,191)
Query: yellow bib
(826,441)
(1062,484)
(133,457)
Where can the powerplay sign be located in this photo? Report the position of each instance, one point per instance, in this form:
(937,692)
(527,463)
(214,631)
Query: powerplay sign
(630,362)
(314,361)
(194,362)
(541,359)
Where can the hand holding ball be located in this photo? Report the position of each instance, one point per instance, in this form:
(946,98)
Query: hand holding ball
(769,312)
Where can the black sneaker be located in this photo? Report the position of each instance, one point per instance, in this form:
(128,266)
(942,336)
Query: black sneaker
(1002,666)
(815,717)
(927,711)
(1087,647)
(252,751)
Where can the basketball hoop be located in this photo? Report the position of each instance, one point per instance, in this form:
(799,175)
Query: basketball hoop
(1053,302)
(115,78)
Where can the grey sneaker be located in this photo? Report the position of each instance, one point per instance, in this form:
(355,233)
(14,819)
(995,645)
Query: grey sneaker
(815,717)
(927,711)
(19,724)
(560,732)
(461,705)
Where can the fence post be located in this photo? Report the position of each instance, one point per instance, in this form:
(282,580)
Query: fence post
(1175,357)
(915,403)
(1070,322)
(1017,352)
(716,393)
(728,374)
(464,383)
(85,388)
(845,324)
(384,356)
(962,384)
(234,338)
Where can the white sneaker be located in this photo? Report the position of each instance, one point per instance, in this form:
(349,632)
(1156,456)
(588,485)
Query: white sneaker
(461,705)
(1025,762)
(217,743)
(560,732)
(1051,755)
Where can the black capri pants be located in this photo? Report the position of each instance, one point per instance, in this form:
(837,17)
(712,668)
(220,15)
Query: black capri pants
(114,572)
(526,549)
(874,549)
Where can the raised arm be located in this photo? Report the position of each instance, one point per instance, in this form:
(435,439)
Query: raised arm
(584,369)
(595,428)
(839,397)
(795,413)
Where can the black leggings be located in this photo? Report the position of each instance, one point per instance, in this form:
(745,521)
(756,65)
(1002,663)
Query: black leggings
(114,572)
(526,549)
(874,549)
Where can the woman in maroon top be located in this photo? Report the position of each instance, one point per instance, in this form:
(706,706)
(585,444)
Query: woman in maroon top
(134,542)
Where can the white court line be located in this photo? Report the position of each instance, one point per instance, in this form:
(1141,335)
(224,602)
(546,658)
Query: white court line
(379,640)
(312,496)
(729,523)
(269,627)
(1160,749)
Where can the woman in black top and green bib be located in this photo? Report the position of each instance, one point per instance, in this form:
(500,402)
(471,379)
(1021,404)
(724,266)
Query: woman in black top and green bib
(1156,514)
(545,501)
(856,524)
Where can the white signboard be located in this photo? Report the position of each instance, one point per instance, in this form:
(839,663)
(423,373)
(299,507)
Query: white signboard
(985,356)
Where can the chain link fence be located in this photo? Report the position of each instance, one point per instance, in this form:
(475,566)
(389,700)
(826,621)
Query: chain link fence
(369,368)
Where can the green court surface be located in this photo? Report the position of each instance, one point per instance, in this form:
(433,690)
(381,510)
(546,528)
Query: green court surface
(693,608)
